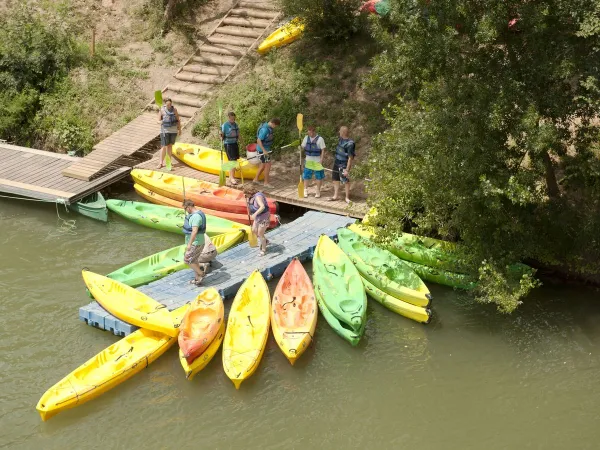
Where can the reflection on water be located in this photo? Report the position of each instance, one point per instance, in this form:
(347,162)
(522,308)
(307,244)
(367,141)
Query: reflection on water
(470,379)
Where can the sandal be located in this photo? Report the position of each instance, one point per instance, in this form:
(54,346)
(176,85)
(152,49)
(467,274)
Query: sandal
(261,253)
(348,200)
(233,182)
(333,199)
(193,281)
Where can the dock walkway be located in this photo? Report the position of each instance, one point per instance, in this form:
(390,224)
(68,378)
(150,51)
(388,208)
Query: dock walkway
(294,239)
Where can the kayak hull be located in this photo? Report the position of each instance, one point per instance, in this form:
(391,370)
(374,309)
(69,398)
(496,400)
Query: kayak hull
(92,206)
(191,370)
(284,35)
(341,329)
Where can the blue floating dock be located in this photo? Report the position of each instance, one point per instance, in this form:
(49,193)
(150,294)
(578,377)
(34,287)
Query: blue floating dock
(231,268)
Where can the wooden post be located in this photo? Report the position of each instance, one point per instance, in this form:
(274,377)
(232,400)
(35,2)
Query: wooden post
(93,46)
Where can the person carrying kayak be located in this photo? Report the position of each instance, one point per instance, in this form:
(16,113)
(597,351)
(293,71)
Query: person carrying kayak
(260,215)
(170,127)
(344,155)
(199,250)
(230,133)
(314,148)
(264,141)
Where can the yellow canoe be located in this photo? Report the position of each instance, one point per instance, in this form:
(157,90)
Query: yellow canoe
(107,369)
(247,329)
(208,160)
(284,35)
(131,305)
(202,361)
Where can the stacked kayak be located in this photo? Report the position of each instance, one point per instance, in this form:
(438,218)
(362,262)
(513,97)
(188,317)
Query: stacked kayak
(247,329)
(284,35)
(202,193)
(161,264)
(208,160)
(200,328)
(294,311)
(387,278)
(339,291)
(107,369)
(131,305)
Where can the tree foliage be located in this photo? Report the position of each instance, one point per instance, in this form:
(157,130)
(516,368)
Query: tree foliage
(493,138)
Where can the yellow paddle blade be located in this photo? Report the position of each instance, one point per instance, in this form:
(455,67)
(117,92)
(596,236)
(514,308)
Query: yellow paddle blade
(301,188)
(299,121)
(168,163)
(252,239)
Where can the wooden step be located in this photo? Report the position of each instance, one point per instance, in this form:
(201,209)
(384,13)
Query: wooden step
(239,31)
(186,111)
(197,78)
(228,40)
(256,13)
(255,5)
(197,89)
(221,50)
(185,100)
(216,59)
(254,23)
(209,70)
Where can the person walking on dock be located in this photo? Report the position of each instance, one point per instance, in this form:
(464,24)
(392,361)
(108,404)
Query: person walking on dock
(344,156)
(314,148)
(264,141)
(230,133)
(199,250)
(260,215)
(170,127)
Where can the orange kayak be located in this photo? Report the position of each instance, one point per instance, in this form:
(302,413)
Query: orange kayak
(294,311)
(203,193)
(201,324)
(158,199)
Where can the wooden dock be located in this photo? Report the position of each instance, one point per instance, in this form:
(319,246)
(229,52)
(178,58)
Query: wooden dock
(238,32)
(37,174)
(285,188)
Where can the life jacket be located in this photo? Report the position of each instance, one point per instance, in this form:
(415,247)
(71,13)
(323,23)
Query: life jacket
(234,133)
(253,204)
(169,117)
(312,147)
(343,149)
(187,228)
(268,141)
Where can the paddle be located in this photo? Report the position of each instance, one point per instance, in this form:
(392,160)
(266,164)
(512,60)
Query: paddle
(159,101)
(299,120)
(222,171)
(293,144)
(252,239)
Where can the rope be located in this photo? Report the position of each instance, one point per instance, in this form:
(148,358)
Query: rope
(64,227)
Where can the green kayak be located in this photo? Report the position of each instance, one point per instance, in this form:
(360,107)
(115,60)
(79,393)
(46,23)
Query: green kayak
(339,327)
(161,264)
(383,269)
(443,277)
(339,286)
(416,313)
(167,218)
(93,206)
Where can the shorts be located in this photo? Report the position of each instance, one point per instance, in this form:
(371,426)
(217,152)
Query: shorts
(167,139)
(264,158)
(233,151)
(197,256)
(308,174)
(336,175)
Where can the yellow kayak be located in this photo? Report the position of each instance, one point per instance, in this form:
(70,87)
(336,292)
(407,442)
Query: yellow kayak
(208,160)
(107,369)
(131,305)
(284,35)
(247,329)
(202,361)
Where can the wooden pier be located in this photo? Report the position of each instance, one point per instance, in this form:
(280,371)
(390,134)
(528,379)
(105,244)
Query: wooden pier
(37,174)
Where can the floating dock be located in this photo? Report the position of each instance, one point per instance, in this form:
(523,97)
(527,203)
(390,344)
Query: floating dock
(294,239)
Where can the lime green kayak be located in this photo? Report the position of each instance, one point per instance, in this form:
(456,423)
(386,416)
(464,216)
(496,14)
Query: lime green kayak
(340,328)
(166,218)
(416,313)
(443,277)
(383,269)
(339,286)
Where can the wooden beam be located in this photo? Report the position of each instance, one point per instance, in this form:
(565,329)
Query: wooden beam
(31,187)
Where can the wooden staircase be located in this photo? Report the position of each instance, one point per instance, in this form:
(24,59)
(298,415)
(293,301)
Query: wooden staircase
(236,34)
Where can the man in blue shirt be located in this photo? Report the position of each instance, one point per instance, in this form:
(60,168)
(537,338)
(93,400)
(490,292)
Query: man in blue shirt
(230,133)
(344,156)
(264,141)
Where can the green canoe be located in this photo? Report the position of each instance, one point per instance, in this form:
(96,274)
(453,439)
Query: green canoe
(167,218)
(383,269)
(339,286)
(93,206)
(339,327)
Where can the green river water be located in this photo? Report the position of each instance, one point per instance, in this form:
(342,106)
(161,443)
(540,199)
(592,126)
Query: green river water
(472,379)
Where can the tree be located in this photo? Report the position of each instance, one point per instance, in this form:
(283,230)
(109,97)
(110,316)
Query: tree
(493,139)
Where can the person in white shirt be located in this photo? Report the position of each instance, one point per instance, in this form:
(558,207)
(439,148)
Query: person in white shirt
(314,149)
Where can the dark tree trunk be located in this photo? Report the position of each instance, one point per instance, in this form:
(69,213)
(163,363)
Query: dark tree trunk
(551,183)
(169,11)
